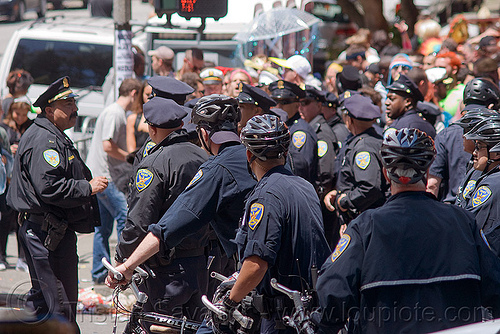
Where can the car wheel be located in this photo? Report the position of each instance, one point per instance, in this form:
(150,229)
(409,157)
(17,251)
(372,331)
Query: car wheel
(43,9)
(19,13)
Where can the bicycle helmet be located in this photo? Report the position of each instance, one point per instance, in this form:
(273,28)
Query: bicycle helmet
(483,92)
(473,117)
(408,149)
(217,112)
(487,131)
(266,137)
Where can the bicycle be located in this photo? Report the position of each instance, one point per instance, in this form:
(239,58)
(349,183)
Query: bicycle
(160,323)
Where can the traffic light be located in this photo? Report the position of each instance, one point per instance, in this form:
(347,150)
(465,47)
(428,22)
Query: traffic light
(192,8)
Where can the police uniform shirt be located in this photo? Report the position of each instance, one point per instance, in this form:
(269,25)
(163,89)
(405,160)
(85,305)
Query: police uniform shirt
(144,151)
(339,130)
(302,155)
(157,181)
(327,150)
(451,160)
(411,119)
(467,187)
(413,253)
(282,224)
(360,176)
(215,195)
(484,203)
(50,176)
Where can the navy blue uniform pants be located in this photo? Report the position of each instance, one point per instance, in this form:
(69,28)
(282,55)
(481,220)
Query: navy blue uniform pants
(54,275)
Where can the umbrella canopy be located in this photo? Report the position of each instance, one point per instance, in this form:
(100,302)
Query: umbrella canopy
(275,23)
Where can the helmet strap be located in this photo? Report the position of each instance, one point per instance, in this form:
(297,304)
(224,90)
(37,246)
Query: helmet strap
(205,145)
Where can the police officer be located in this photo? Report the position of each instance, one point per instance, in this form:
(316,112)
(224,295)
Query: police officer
(468,183)
(214,196)
(412,264)
(484,202)
(329,110)
(157,181)
(402,97)
(281,235)
(54,192)
(252,101)
(360,183)
(303,152)
(481,92)
(310,110)
(173,89)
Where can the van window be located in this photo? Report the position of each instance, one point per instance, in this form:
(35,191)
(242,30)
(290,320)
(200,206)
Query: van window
(86,64)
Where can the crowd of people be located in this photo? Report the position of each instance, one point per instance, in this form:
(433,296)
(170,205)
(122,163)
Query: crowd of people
(262,171)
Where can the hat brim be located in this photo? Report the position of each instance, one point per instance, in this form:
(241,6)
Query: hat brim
(280,62)
(221,137)
(212,82)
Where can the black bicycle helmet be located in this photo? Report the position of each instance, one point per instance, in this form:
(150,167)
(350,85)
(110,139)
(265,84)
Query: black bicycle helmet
(473,117)
(408,149)
(487,131)
(483,92)
(266,136)
(218,112)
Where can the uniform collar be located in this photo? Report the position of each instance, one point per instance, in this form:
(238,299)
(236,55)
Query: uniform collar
(45,123)
(410,194)
(176,136)
(318,119)
(370,131)
(292,120)
(278,169)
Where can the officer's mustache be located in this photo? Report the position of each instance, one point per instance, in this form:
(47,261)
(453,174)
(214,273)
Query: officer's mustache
(73,115)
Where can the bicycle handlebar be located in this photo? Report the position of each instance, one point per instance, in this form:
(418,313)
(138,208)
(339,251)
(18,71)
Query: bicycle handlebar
(118,275)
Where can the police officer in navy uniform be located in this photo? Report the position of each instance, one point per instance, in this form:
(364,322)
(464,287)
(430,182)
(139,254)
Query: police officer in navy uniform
(158,180)
(173,89)
(412,264)
(310,110)
(330,104)
(468,183)
(484,202)
(402,97)
(214,196)
(361,184)
(303,152)
(281,235)
(253,101)
(53,190)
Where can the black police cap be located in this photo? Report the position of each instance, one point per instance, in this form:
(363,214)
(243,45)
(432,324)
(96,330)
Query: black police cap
(163,113)
(313,94)
(360,107)
(285,90)
(428,108)
(347,94)
(58,90)
(170,88)
(254,95)
(330,100)
(404,86)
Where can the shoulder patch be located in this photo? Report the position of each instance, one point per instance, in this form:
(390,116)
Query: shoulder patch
(362,159)
(469,187)
(482,194)
(341,246)
(256,212)
(147,148)
(143,179)
(196,177)
(322,148)
(299,139)
(52,157)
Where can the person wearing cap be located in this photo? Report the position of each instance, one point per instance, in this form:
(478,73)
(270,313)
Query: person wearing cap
(162,60)
(297,68)
(253,101)
(215,195)
(402,97)
(412,265)
(484,203)
(303,152)
(157,181)
(168,88)
(53,190)
(107,156)
(348,79)
(328,146)
(212,80)
(400,64)
(331,77)
(329,110)
(361,184)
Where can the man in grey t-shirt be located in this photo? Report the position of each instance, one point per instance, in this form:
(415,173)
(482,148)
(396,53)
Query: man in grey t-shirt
(107,153)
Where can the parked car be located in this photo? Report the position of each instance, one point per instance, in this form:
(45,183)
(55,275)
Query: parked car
(14,10)
(58,4)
